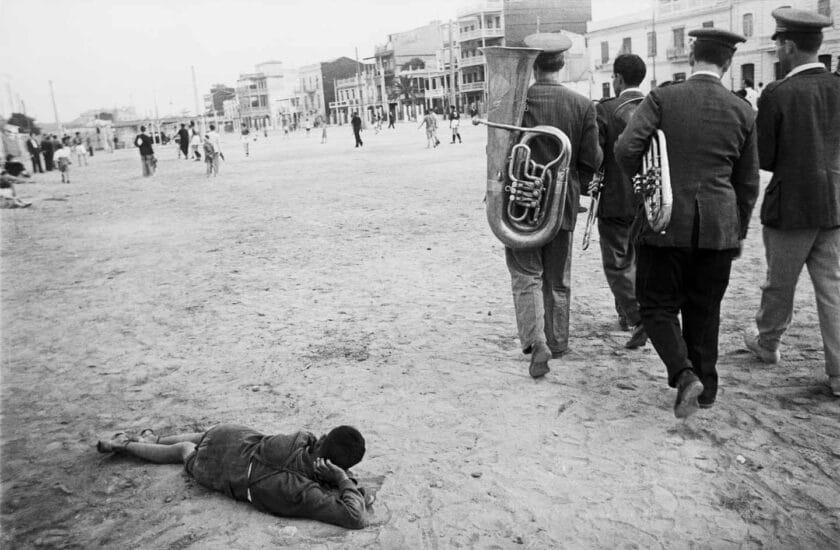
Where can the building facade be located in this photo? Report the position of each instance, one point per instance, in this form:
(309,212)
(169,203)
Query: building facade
(660,37)
(267,97)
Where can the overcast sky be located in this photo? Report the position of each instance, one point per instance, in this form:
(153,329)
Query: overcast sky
(107,53)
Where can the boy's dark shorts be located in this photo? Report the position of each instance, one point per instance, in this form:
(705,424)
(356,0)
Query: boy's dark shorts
(221,458)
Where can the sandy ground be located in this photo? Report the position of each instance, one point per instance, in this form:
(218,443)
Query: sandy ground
(313,285)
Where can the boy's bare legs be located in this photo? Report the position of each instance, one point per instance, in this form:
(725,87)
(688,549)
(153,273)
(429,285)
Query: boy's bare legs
(173,449)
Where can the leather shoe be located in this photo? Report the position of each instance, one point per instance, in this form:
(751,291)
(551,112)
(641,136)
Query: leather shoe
(705,402)
(540,354)
(834,384)
(766,355)
(638,339)
(689,388)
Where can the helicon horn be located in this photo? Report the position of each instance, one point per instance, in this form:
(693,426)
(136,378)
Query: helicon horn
(524,198)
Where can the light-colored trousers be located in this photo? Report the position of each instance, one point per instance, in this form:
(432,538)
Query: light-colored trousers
(787,251)
(541,279)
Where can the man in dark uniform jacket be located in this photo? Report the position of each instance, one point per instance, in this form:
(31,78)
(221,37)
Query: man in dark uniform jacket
(184,141)
(541,277)
(799,141)
(617,206)
(34,148)
(356,122)
(47,147)
(147,154)
(711,139)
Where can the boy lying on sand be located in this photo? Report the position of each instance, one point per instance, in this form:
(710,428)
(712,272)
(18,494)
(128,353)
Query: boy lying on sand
(289,475)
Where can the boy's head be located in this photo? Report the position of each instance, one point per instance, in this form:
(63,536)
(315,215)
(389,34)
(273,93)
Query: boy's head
(344,446)
(212,127)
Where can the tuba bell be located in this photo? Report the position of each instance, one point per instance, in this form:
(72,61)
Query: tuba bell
(524,198)
(653,184)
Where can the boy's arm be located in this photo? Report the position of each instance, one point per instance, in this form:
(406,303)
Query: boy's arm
(290,494)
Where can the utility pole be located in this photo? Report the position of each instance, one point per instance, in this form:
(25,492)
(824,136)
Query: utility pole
(55,109)
(653,51)
(198,113)
(381,68)
(452,93)
(359,92)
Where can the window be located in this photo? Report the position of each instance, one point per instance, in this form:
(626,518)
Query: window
(263,101)
(653,83)
(824,7)
(679,38)
(748,72)
(679,77)
(826,60)
(708,24)
(626,45)
(748,25)
(605,52)
(605,90)
(651,39)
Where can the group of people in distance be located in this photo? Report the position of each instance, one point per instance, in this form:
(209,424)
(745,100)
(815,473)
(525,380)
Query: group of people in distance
(668,286)
(211,146)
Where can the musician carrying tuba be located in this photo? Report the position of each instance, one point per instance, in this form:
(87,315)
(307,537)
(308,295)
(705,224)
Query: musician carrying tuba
(557,148)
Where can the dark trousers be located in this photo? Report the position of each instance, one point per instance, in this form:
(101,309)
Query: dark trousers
(357,136)
(48,161)
(618,256)
(36,164)
(689,282)
(185,147)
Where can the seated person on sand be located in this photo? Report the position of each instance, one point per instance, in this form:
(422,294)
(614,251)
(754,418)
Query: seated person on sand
(10,175)
(289,475)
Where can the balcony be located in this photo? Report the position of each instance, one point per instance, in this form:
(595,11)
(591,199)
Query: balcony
(471,61)
(480,7)
(471,87)
(677,54)
(478,34)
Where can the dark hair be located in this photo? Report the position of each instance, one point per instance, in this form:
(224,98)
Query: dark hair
(142,128)
(550,62)
(212,127)
(344,446)
(631,68)
(748,82)
(809,42)
(712,52)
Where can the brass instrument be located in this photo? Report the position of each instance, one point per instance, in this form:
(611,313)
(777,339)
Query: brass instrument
(524,198)
(653,184)
(597,179)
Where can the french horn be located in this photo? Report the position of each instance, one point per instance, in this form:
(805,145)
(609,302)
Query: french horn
(524,197)
(653,184)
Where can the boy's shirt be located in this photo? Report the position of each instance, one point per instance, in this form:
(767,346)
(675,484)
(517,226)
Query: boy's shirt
(209,150)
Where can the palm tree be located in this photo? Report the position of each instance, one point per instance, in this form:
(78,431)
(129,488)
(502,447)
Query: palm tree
(405,88)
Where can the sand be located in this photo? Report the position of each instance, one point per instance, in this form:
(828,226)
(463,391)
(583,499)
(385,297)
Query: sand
(312,285)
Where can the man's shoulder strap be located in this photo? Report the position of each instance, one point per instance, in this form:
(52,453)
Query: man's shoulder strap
(631,101)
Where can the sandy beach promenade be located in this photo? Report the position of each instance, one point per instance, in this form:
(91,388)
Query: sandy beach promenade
(314,285)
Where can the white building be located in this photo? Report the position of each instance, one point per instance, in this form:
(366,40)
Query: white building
(267,96)
(659,36)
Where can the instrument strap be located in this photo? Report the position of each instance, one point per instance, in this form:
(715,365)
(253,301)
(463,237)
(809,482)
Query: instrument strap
(629,101)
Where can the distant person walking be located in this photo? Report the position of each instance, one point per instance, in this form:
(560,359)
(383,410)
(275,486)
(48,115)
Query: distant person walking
(246,139)
(210,157)
(34,148)
(391,119)
(454,123)
(357,128)
(147,153)
(430,122)
(79,149)
(195,143)
(62,159)
(48,149)
(215,139)
(184,142)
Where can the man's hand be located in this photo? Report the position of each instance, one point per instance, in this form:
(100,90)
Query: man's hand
(329,472)
(740,248)
(594,187)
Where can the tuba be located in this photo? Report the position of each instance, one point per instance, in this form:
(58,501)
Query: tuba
(524,198)
(653,184)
